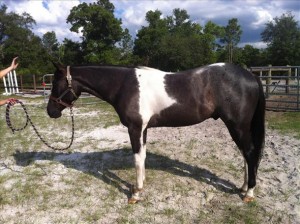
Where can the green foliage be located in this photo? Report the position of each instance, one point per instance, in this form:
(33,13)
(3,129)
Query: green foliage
(17,39)
(283,38)
(71,52)
(100,30)
(171,43)
(231,37)
(286,123)
(175,42)
(148,39)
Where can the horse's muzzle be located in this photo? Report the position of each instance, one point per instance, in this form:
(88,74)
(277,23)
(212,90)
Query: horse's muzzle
(53,112)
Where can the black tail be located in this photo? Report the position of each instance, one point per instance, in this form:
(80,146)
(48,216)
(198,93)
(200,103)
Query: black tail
(258,121)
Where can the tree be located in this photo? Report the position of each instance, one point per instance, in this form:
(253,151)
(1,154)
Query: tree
(125,47)
(180,24)
(17,39)
(282,36)
(51,44)
(148,39)
(232,36)
(211,34)
(100,30)
(175,42)
(250,56)
(70,52)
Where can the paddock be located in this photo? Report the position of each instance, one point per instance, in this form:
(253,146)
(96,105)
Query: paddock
(189,180)
(281,86)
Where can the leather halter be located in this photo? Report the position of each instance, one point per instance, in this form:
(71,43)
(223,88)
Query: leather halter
(70,89)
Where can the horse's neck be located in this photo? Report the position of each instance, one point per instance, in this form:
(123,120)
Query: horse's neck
(102,83)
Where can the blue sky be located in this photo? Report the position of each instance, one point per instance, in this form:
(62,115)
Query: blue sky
(50,15)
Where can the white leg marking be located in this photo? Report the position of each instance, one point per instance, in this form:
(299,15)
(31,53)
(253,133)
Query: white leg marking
(139,159)
(250,192)
(144,170)
(245,184)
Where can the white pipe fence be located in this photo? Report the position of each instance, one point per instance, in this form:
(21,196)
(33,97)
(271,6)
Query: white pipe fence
(11,83)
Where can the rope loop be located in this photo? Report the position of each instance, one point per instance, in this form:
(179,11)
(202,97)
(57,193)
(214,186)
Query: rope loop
(28,120)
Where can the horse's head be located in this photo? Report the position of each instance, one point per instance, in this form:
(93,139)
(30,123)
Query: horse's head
(64,91)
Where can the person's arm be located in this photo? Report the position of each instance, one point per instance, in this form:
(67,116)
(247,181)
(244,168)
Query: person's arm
(6,101)
(2,102)
(13,66)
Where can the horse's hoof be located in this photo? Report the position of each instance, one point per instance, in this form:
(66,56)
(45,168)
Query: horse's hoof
(248,199)
(133,201)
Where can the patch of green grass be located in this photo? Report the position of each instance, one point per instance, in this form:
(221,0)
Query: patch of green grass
(250,213)
(169,212)
(91,216)
(285,122)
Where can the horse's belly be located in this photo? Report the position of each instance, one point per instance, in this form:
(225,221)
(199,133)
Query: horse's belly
(172,117)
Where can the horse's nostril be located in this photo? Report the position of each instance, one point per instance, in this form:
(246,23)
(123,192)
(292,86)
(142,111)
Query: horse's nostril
(54,113)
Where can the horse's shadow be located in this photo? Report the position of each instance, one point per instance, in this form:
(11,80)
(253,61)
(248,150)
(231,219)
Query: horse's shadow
(101,165)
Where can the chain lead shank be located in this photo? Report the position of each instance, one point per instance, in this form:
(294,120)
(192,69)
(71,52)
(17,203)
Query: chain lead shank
(28,120)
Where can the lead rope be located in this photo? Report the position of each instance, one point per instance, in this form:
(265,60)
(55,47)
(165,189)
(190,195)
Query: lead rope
(28,120)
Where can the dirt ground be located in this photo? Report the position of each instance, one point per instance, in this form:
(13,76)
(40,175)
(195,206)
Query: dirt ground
(192,176)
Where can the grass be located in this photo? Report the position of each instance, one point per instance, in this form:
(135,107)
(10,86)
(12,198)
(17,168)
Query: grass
(284,122)
(249,214)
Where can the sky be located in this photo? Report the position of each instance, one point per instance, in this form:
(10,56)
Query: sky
(51,15)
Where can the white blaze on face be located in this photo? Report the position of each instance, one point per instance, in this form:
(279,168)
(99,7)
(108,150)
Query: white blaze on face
(153,95)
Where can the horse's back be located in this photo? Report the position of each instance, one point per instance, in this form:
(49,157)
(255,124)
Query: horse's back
(218,90)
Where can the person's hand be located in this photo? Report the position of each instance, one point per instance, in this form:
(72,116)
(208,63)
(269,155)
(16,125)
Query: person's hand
(12,101)
(14,63)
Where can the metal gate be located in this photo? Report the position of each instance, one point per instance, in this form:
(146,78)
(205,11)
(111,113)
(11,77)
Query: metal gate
(281,86)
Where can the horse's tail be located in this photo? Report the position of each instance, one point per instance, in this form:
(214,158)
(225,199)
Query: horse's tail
(258,121)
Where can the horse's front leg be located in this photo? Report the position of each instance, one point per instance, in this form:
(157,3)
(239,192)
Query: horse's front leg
(139,149)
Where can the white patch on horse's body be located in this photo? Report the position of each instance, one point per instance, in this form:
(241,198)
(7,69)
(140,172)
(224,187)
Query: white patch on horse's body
(153,96)
(200,70)
(221,64)
(148,68)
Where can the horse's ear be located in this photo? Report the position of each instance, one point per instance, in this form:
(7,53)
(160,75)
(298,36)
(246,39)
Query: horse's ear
(60,67)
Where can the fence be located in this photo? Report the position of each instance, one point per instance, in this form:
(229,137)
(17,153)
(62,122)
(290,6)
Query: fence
(11,83)
(281,86)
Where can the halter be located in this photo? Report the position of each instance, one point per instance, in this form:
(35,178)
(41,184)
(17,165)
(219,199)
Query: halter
(70,89)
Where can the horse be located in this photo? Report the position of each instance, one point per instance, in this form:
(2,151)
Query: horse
(145,98)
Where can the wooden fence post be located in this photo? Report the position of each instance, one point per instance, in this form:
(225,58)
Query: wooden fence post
(21,80)
(34,83)
(268,81)
(287,81)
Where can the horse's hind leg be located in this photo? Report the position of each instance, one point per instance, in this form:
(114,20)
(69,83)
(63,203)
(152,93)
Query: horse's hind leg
(243,138)
(244,187)
(252,157)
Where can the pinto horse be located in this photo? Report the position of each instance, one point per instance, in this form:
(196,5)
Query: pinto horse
(145,97)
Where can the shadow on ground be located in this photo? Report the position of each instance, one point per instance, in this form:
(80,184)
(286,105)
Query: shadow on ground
(99,165)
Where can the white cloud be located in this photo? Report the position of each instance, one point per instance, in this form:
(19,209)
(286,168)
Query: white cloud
(252,14)
(258,44)
(262,17)
(50,18)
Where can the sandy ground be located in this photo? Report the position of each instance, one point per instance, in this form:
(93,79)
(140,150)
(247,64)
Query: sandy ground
(190,170)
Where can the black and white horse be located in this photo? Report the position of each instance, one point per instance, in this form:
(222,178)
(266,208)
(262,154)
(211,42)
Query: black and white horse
(144,98)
